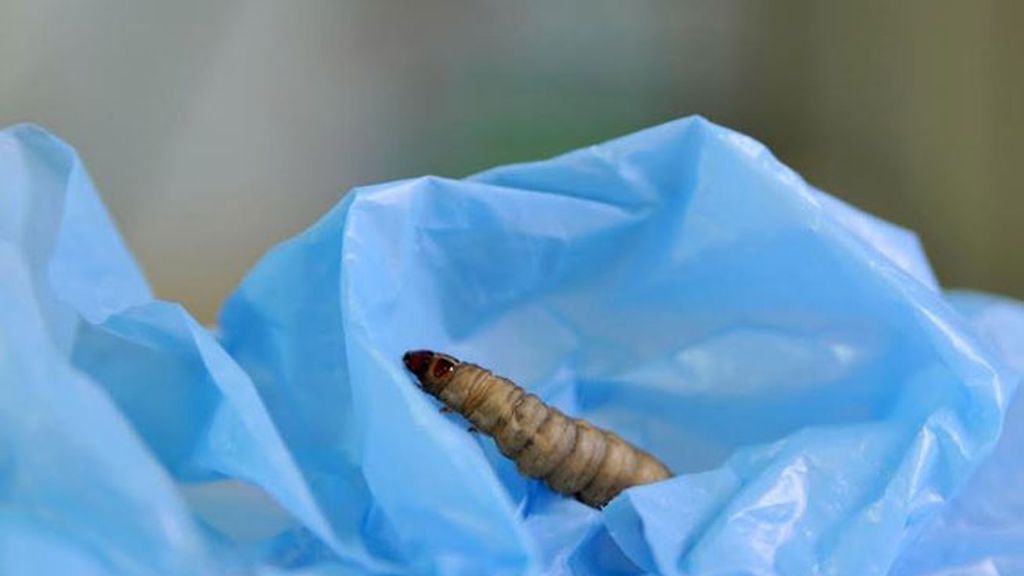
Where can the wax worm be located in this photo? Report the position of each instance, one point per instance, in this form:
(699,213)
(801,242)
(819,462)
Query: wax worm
(571,456)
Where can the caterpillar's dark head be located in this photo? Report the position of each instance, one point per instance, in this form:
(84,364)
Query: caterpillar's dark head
(432,369)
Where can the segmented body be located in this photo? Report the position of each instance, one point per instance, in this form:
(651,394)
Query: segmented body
(570,455)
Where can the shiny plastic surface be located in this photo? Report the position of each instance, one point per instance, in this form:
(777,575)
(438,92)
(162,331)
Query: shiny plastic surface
(790,357)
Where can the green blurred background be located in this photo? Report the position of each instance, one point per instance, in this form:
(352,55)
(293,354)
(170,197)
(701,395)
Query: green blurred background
(216,129)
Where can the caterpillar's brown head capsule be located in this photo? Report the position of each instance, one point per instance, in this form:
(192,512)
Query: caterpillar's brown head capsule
(572,456)
(433,370)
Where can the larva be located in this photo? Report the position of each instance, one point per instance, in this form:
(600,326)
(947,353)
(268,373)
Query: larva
(570,455)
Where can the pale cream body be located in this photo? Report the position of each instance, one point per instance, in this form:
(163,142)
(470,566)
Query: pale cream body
(570,455)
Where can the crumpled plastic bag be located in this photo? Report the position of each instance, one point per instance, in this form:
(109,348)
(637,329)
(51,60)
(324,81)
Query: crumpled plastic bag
(981,532)
(822,401)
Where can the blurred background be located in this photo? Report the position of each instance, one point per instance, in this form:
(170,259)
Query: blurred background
(215,129)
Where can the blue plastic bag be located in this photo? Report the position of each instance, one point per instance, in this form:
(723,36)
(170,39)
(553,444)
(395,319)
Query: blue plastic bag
(792,359)
(981,532)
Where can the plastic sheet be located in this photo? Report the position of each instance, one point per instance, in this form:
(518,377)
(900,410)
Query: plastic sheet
(981,532)
(791,358)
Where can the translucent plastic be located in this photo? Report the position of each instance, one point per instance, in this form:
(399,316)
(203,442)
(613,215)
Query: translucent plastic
(792,359)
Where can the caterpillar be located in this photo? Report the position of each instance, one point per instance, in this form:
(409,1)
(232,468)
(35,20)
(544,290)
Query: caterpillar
(571,456)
